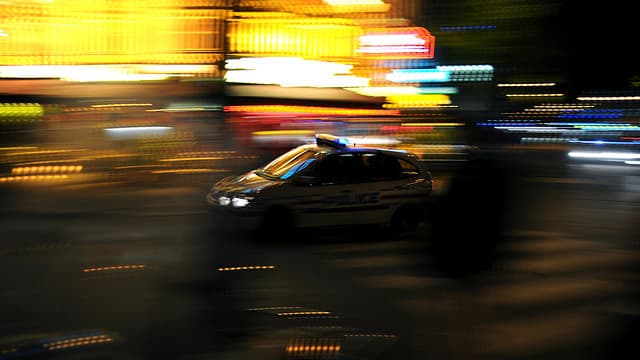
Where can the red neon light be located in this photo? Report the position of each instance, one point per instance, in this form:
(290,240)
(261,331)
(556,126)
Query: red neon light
(391,48)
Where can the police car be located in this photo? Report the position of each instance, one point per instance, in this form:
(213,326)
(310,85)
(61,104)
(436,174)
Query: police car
(329,183)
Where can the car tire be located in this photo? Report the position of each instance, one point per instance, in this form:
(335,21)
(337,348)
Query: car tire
(406,218)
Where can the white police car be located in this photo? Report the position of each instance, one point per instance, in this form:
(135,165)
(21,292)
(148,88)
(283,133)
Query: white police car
(329,183)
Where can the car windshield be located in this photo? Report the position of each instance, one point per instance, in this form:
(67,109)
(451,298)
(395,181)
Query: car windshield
(288,164)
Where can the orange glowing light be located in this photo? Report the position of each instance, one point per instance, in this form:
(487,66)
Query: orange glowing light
(298,36)
(111,268)
(73,32)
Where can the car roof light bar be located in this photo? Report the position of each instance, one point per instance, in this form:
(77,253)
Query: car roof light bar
(331,140)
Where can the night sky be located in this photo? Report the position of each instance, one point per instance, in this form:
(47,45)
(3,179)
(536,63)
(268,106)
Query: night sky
(603,39)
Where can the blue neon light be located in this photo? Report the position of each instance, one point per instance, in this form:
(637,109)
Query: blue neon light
(605,142)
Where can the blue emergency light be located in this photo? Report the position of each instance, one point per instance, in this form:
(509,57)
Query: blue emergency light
(331,140)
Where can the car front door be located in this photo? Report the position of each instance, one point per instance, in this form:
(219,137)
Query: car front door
(340,194)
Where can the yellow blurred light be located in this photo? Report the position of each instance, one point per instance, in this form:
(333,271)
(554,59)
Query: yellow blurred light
(252,267)
(309,37)
(536,95)
(417,101)
(111,268)
(46,169)
(110,32)
(385,90)
(308,110)
(263,14)
(81,73)
(353,2)
(76,342)
(189,171)
(43,152)
(274,308)
(105,73)
(121,105)
(526,84)
(343,6)
(293,313)
(11,179)
(20,109)
(10,148)
(292,71)
(609,98)
(205,158)
(283,132)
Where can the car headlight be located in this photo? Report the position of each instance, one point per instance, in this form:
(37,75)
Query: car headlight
(224,200)
(240,201)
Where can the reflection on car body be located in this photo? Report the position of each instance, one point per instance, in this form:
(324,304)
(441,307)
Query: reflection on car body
(329,183)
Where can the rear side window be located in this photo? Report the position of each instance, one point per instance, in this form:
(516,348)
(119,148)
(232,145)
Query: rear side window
(382,167)
(363,167)
(408,169)
(339,169)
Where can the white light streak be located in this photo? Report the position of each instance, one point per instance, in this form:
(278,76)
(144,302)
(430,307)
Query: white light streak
(606,155)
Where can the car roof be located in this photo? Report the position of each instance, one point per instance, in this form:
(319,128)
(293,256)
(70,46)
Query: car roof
(326,149)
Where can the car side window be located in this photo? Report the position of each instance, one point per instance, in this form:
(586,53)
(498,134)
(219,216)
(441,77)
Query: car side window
(382,167)
(373,168)
(339,169)
(391,167)
(408,169)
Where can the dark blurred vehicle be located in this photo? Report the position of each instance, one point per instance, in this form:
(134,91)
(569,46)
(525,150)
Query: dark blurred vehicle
(329,183)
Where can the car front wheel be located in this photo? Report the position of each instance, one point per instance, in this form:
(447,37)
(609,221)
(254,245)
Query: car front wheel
(277,223)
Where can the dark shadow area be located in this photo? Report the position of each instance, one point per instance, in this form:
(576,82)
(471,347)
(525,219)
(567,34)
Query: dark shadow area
(469,220)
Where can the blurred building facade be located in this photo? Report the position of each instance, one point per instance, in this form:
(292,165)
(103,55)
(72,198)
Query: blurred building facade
(345,44)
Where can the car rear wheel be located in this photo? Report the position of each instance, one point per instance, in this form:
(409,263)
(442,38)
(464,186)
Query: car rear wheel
(406,218)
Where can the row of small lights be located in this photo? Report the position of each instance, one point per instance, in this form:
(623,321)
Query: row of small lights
(32,178)
(47,169)
(76,342)
(111,268)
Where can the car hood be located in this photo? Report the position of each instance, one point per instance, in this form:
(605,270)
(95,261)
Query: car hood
(248,183)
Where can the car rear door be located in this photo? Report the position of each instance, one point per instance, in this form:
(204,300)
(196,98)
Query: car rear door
(341,195)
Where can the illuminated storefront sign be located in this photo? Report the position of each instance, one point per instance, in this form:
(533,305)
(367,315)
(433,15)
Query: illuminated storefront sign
(291,71)
(299,36)
(98,32)
(403,42)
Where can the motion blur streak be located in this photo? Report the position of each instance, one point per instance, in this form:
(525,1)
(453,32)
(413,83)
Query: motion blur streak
(47,169)
(610,155)
(251,267)
(117,117)
(112,268)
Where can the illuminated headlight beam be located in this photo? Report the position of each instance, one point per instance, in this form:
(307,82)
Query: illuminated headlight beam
(605,155)
(239,202)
